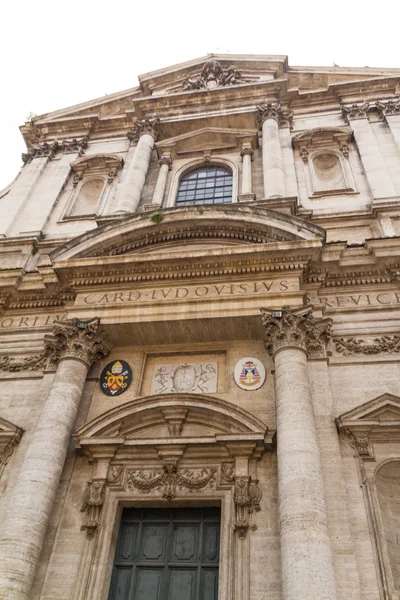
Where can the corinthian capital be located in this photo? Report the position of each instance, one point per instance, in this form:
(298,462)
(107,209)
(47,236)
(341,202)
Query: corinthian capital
(77,339)
(149,126)
(391,107)
(275,111)
(296,327)
(355,111)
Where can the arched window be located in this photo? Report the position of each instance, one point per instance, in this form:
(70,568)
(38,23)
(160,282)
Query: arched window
(205,185)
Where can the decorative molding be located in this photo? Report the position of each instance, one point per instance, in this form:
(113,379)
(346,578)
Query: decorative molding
(10,436)
(166,159)
(344,149)
(181,272)
(93,500)
(170,479)
(96,164)
(75,146)
(175,418)
(389,108)
(382,345)
(355,111)
(213,75)
(296,328)
(36,362)
(40,151)
(284,118)
(304,153)
(80,340)
(49,149)
(247,150)
(41,300)
(246,496)
(227,476)
(115,474)
(207,232)
(145,126)
(361,445)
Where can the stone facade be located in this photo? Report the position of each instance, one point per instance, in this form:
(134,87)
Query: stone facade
(240,354)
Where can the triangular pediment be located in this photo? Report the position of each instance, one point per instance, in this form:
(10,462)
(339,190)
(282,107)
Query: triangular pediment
(383,410)
(205,84)
(208,139)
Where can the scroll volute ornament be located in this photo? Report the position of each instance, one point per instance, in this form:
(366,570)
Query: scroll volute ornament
(77,339)
(296,328)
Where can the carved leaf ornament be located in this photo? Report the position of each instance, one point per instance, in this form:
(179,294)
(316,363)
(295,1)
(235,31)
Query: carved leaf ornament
(296,327)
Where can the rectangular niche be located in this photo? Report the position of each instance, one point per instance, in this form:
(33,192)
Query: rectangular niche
(184,373)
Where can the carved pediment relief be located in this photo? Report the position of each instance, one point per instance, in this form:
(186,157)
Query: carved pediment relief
(208,139)
(180,227)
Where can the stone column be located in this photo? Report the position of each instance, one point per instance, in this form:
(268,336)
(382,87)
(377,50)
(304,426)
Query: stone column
(144,134)
(165,163)
(391,112)
(247,185)
(270,118)
(374,166)
(76,345)
(307,563)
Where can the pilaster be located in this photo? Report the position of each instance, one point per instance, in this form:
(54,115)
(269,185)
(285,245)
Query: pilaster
(270,118)
(375,169)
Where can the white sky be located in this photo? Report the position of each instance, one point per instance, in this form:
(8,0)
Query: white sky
(55,54)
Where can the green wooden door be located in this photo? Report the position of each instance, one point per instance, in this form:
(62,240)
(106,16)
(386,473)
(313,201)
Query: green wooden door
(167,554)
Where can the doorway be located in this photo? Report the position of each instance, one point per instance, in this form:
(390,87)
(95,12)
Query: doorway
(167,554)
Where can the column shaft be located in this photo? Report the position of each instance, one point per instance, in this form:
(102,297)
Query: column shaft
(31,501)
(274,177)
(307,565)
(246,174)
(131,191)
(165,163)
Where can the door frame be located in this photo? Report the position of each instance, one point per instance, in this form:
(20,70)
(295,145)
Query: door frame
(98,554)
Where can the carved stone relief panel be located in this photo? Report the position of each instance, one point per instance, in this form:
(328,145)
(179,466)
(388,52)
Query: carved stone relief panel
(184,373)
(185,377)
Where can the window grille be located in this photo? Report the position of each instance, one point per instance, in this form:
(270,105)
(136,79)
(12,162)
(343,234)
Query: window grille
(205,185)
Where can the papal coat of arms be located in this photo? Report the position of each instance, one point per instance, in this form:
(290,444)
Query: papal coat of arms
(249,373)
(115,378)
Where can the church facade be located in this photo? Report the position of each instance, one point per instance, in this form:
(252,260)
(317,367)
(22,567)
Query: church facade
(200,338)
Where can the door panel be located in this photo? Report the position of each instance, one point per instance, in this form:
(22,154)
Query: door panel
(149,583)
(154,539)
(167,554)
(182,584)
(185,543)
